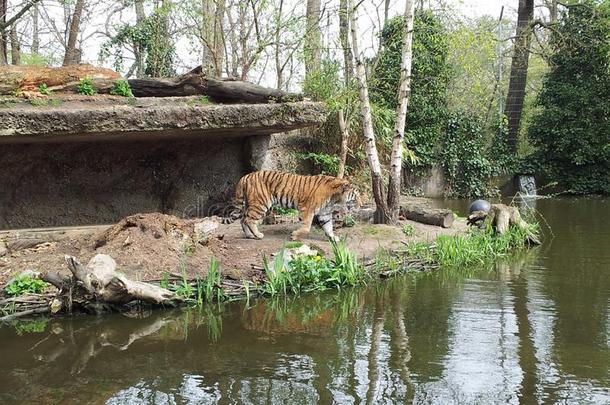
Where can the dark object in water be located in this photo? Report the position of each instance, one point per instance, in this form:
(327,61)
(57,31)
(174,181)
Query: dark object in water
(479,205)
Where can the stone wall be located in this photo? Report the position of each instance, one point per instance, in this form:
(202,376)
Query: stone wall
(429,184)
(69,184)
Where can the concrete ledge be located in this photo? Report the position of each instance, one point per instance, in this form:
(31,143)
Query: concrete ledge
(112,118)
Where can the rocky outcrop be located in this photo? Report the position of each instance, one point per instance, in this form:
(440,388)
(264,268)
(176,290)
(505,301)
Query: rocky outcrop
(92,119)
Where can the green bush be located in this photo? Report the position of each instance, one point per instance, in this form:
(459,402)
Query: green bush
(572,126)
(121,88)
(25,285)
(86,87)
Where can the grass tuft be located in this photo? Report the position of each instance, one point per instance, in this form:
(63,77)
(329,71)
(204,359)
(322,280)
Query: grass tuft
(477,247)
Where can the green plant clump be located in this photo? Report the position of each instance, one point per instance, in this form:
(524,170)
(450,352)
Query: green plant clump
(86,87)
(323,162)
(25,285)
(121,88)
(310,273)
(408,230)
(44,89)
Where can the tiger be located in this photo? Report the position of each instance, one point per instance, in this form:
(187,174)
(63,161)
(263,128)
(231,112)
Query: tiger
(313,196)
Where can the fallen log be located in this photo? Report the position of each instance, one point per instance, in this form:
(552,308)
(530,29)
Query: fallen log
(426,215)
(23,79)
(26,80)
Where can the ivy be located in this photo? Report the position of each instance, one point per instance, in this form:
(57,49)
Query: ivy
(465,161)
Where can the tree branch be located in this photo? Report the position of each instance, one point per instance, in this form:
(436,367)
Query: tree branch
(20,13)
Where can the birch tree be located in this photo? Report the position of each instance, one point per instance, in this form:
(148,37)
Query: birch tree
(404,93)
(387,211)
(367,124)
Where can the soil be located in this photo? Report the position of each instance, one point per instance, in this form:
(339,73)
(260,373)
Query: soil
(148,246)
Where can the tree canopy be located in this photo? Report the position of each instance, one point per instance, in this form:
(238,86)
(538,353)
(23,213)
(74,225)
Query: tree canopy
(572,128)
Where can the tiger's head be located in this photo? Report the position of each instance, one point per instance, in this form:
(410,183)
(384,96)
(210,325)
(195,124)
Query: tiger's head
(348,196)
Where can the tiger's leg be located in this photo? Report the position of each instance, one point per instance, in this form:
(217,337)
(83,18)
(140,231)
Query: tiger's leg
(252,215)
(307,217)
(326,222)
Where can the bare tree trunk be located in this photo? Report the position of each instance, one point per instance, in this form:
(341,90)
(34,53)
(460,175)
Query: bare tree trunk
(219,38)
(381,215)
(15,46)
(71,57)
(35,34)
(348,58)
(518,72)
(3,53)
(404,93)
(279,69)
(386,12)
(552,6)
(344,138)
(207,36)
(312,37)
(139,52)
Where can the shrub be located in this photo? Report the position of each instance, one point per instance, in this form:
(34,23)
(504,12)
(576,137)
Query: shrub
(323,163)
(431,73)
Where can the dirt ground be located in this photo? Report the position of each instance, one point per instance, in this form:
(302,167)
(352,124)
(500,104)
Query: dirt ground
(147,246)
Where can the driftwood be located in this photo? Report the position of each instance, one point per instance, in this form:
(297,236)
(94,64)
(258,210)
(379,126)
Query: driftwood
(26,80)
(502,217)
(100,278)
(426,215)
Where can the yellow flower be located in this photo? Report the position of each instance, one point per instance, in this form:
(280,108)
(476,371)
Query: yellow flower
(317,258)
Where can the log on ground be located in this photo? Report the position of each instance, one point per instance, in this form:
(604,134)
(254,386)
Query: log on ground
(426,215)
(100,278)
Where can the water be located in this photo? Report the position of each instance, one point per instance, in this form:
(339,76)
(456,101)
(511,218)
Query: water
(534,329)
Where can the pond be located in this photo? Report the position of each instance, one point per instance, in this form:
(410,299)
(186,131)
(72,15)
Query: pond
(533,328)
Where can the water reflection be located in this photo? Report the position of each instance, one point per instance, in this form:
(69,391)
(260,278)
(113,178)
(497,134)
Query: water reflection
(533,329)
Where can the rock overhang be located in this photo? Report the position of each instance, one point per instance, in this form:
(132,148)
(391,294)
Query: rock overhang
(79,118)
